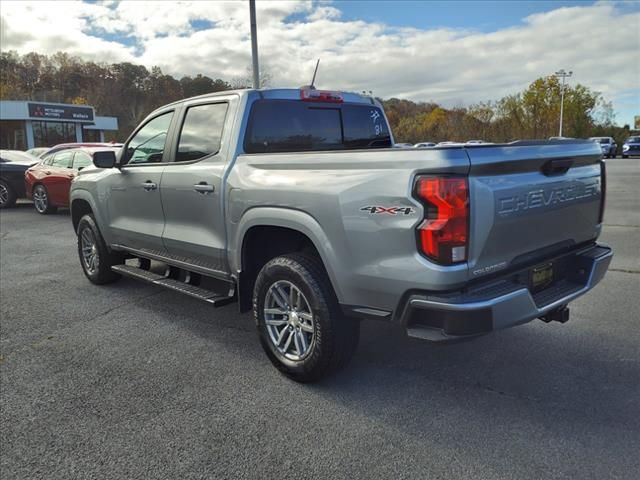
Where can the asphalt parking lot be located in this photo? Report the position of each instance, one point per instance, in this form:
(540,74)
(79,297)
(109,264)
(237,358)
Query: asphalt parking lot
(132,381)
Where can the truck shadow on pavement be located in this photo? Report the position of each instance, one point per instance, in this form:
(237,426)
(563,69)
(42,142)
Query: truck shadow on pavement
(537,372)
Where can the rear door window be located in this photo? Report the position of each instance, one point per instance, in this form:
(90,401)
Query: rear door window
(295,126)
(81,160)
(201,131)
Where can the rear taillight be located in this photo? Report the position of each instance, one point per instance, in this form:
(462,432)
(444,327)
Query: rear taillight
(444,235)
(310,95)
(603,189)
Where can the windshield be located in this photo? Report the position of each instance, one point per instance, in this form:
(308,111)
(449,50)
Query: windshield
(633,140)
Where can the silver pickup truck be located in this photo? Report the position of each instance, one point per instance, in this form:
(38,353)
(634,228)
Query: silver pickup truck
(294,204)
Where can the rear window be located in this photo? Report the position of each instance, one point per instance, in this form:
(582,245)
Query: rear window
(18,157)
(296,126)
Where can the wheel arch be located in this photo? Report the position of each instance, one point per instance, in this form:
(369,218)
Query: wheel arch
(266,232)
(79,208)
(81,203)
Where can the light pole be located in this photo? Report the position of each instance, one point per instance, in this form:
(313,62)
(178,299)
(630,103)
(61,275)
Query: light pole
(254,44)
(562,74)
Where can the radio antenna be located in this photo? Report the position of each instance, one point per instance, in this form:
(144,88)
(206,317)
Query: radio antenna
(313,80)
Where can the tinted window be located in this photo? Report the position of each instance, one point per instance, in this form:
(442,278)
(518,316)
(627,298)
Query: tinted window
(201,131)
(294,126)
(62,159)
(365,127)
(81,160)
(633,139)
(147,146)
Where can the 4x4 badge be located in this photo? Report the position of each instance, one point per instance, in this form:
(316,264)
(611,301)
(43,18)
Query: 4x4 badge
(372,209)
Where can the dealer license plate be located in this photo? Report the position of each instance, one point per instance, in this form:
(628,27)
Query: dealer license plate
(541,276)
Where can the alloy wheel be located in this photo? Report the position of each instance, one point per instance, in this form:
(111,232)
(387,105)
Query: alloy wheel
(4,194)
(40,199)
(90,256)
(289,320)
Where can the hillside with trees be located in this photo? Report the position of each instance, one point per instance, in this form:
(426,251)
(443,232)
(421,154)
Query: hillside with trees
(130,92)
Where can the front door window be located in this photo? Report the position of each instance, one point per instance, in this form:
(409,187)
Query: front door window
(147,145)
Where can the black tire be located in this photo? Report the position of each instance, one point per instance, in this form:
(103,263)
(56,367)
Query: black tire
(8,196)
(335,337)
(41,200)
(101,272)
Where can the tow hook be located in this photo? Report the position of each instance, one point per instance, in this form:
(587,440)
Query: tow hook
(558,315)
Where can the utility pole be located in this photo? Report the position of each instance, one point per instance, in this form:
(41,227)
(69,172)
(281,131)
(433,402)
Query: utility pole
(562,74)
(254,44)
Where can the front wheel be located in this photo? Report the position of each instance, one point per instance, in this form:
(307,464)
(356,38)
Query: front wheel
(299,322)
(41,200)
(95,257)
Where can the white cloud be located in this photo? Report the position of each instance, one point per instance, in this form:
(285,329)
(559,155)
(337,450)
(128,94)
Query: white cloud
(598,42)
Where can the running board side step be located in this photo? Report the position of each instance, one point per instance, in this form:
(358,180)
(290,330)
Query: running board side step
(209,296)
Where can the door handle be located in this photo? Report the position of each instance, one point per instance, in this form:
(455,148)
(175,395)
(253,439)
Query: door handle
(204,188)
(149,185)
(558,166)
(47,172)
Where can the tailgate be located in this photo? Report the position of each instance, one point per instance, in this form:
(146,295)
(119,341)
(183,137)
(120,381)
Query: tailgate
(530,200)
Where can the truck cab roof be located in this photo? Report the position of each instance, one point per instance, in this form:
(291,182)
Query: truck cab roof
(279,94)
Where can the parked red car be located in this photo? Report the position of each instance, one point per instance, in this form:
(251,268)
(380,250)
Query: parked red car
(48,181)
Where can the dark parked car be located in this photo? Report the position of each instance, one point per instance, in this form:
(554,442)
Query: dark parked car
(13,164)
(48,182)
(608,146)
(631,147)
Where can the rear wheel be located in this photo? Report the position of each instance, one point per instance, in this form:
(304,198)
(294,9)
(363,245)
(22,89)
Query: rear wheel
(299,322)
(41,200)
(95,257)
(7,196)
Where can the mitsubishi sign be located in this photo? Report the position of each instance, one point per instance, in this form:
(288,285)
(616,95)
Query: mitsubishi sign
(47,111)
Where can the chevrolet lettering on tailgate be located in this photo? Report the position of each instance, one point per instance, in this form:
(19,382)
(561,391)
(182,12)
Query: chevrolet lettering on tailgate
(548,197)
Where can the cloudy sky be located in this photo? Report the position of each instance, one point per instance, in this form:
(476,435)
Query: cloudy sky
(455,52)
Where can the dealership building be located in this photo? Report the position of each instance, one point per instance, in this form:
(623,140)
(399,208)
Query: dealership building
(26,124)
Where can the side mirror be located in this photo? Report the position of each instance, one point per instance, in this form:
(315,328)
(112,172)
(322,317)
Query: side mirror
(106,159)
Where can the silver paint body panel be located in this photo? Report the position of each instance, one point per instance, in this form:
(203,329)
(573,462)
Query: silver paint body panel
(372,260)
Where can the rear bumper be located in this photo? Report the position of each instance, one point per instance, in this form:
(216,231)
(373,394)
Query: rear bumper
(502,303)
